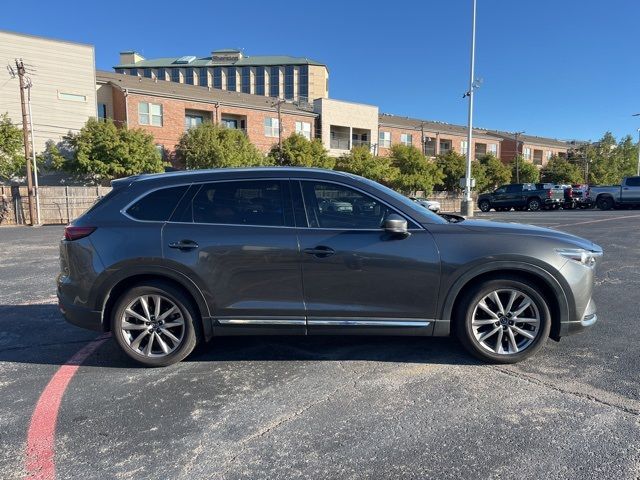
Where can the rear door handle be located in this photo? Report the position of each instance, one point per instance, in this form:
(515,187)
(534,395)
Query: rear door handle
(320,251)
(184,245)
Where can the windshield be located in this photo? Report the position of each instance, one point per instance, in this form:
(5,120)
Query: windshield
(406,201)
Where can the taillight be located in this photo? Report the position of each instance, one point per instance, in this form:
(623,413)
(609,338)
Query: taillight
(549,193)
(75,233)
(570,193)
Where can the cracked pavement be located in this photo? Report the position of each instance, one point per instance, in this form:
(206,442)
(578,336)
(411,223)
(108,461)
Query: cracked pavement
(331,407)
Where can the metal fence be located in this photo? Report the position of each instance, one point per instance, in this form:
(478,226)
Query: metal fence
(58,205)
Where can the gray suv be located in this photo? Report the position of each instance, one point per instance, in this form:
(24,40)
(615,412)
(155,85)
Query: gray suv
(169,260)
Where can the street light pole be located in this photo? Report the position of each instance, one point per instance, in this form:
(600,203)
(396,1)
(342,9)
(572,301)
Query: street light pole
(638,168)
(516,135)
(467,203)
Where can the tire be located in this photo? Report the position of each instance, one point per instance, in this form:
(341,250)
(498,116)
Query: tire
(499,346)
(156,348)
(534,204)
(484,206)
(605,203)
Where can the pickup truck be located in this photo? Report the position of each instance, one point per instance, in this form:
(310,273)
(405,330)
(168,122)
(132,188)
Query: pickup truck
(611,196)
(520,196)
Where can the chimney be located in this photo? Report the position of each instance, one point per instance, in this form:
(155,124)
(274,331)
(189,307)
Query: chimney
(130,57)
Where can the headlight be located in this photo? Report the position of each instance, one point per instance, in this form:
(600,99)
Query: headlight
(587,258)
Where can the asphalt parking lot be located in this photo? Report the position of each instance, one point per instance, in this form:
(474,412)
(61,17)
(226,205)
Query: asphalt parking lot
(347,407)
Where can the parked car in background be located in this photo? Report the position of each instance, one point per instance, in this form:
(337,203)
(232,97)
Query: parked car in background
(169,260)
(580,196)
(432,205)
(520,196)
(607,197)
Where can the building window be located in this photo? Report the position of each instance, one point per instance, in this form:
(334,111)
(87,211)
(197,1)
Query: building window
(231,79)
(464,147)
(274,81)
(303,82)
(203,77)
(406,139)
(384,139)
(161,75)
(445,146)
(549,155)
(493,149)
(304,129)
(271,127)
(245,80)
(259,81)
(527,153)
(189,76)
(161,150)
(288,82)
(121,70)
(217,77)
(102,111)
(150,114)
(133,71)
(429,147)
(73,97)
(537,157)
(191,120)
(175,75)
(147,72)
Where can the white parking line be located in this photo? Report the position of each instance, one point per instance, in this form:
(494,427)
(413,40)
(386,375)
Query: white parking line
(598,221)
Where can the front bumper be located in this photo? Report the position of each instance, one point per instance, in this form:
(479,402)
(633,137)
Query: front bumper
(589,318)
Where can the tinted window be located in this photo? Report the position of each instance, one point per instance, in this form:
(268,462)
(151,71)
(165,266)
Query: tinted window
(633,182)
(514,188)
(158,205)
(501,190)
(335,206)
(257,202)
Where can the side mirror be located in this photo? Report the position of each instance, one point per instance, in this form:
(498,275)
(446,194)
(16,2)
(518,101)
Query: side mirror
(396,225)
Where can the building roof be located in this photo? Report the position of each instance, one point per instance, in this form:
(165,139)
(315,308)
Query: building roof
(182,91)
(532,139)
(390,120)
(256,60)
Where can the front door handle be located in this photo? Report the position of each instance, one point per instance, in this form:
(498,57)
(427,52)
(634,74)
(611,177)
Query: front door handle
(320,251)
(184,245)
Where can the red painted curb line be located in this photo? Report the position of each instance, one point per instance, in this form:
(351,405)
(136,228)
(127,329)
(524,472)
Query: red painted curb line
(39,462)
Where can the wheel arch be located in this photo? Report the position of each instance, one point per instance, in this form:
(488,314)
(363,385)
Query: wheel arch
(550,286)
(120,282)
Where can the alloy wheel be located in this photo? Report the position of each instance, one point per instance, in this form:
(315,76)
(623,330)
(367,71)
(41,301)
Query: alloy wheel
(152,325)
(506,321)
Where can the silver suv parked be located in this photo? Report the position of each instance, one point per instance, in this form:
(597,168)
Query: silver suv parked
(169,260)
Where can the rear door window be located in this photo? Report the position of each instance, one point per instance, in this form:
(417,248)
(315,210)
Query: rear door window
(633,182)
(158,205)
(514,188)
(251,202)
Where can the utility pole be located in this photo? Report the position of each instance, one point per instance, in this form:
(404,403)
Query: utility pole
(638,169)
(516,135)
(33,154)
(467,202)
(25,138)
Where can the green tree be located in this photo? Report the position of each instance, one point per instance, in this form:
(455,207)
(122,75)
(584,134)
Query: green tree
(560,170)
(415,172)
(529,173)
(454,167)
(12,162)
(214,146)
(298,151)
(361,161)
(496,173)
(100,152)
(610,161)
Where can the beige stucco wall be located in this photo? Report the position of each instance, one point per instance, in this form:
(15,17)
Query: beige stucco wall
(56,67)
(318,82)
(345,114)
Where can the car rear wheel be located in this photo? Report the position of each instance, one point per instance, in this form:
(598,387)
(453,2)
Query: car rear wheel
(503,320)
(533,204)
(484,205)
(154,324)
(605,203)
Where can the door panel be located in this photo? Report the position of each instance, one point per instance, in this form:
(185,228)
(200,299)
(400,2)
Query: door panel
(630,192)
(364,278)
(251,272)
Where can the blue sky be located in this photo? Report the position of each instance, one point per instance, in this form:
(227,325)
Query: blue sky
(560,68)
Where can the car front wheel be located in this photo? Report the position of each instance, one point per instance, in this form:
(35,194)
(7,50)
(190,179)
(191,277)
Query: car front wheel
(503,320)
(154,324)
(484,206)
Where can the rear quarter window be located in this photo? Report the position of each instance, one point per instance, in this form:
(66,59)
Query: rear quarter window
(158,205)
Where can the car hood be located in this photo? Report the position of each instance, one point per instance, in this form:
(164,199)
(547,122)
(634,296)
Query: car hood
(500,228)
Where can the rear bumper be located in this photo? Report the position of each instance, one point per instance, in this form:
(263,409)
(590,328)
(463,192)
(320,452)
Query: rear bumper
(588,319)
(80,316)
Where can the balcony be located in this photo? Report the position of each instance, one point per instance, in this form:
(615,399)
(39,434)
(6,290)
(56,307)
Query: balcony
(339,138)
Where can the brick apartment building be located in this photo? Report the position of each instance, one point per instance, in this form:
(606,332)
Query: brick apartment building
(537,150)
(433,138)
(279,76)
(166,110)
